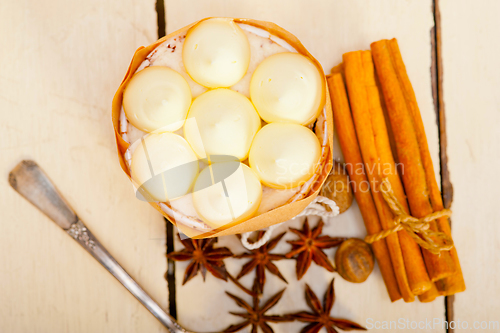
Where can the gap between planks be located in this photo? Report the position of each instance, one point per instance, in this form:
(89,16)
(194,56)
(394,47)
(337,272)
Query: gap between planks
(170,273)
(437,94)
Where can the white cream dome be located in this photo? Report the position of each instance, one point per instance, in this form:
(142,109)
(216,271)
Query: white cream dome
(216,53)
(226,193)
(221,122)
(164,165)
(285,155)
(157,98)
(287,87)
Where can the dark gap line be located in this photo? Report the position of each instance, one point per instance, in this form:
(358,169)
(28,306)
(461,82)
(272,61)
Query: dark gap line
(160,15)
(437,93)
(170,274)
(446,186)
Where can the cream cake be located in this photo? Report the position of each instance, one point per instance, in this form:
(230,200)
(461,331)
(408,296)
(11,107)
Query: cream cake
(226,78)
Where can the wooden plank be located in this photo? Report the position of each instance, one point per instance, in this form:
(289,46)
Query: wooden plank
(471,84)
(328,29)
(61,63)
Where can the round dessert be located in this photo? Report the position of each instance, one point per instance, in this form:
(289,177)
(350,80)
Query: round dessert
(218,58)
(226,193)
(285,155)
(216,53)
(157,98)
(164,165)
(287,87)
(221,122)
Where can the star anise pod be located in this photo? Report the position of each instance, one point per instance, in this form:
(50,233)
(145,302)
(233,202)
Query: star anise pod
(310,247)
(320,317)
(203,257)
(262,259)
(256,315)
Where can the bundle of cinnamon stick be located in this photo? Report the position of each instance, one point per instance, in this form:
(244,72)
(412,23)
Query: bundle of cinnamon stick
(374,134)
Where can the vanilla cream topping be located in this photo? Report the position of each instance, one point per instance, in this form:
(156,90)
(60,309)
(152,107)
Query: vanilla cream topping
(216,53)
(285,155)
(262,45)
(157,98)
(287,87)
(235,198)
(164,165)
(225,123)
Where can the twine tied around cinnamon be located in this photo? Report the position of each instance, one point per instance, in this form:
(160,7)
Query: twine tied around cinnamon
(418,229)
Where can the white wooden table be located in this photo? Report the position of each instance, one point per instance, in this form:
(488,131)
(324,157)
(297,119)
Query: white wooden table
(63,60)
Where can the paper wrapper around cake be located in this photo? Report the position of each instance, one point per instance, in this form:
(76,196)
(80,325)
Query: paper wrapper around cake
(274,216)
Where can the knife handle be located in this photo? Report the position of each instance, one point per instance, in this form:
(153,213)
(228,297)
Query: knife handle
(32,183)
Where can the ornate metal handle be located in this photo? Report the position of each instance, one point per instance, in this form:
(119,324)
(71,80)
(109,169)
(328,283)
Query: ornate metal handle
(33,184)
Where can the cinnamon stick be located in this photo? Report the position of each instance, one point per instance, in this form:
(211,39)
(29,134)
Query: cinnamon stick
(409,154)
(416,271)
(352,156)
(454,283)
(384,220)
(358,98)
(430,295)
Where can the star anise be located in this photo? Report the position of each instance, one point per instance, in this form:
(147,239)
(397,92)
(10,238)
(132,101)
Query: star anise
(262,259)
(256,315)
(310,247)
(320,317)
(203,257)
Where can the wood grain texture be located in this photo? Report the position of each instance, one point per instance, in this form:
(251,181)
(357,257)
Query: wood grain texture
(61,64)
(471,84)
(327,29)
